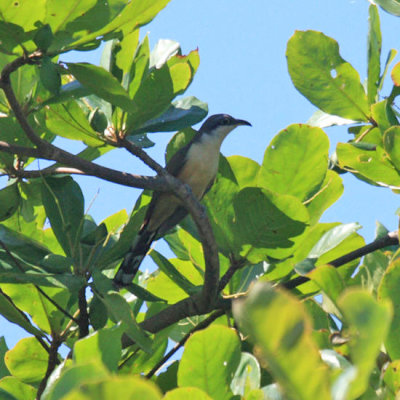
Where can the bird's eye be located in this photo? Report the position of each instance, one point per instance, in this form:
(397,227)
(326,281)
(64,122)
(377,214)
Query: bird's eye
(226,121)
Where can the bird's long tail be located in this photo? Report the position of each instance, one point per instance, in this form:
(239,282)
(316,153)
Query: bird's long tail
(133,258)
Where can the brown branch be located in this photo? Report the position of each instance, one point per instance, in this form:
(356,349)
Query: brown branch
(83,167)
(235,266)
(202,325)
(83,321)
(51,364)
(392,238)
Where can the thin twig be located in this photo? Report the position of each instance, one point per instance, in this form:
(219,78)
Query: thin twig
(51,364)
(19,266)
(202,325)
(390,239)
(235,266)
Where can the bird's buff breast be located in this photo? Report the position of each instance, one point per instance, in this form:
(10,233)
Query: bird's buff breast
(201,166)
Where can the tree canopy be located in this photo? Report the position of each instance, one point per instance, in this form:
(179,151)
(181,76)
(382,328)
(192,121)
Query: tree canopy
(267,301)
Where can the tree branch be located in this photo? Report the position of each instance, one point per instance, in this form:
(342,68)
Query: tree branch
(83,321)
(51,364)
(392,238)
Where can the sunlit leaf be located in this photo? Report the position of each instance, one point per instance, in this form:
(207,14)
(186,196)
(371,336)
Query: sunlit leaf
(27,361)
(295,162)
(210,360)
(324,77)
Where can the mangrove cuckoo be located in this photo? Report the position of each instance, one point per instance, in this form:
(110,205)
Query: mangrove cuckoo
(196,164)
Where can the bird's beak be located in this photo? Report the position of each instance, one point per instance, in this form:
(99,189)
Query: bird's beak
(242,122)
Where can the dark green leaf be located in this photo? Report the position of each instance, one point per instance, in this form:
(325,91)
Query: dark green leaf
(3,349)
(210,360)
(181,114)
(50,76)
(10,200)
(168,269)
(43,37)
(63,201)
(119,310)
(156,92)
(324,77)
(101,83)
(266,223)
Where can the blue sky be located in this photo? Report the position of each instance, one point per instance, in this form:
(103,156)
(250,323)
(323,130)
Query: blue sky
(243,72)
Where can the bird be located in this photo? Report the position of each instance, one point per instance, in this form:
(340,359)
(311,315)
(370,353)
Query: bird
(195,164)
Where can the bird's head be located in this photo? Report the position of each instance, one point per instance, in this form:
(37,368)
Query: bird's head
(219,125)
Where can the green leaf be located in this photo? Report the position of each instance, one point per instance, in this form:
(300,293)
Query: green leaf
(3,349)
(374,53)
(16,389)
(295,162)
(278,323)
(391,6)
(392,376)
(9,311)
(245,170)
(384,116)
(266,223)
(10,200)
(333,238)
(391,143)
(27,361)
(329,192)
(103,84)
(181,114)
(126,17)
(369,323)
(328,280)
(120,387)
(49,76)
(372,165)
(26,248)
(156,92)
(127,47)
(324,77)
(63,201)
(43,313)
(210,360)
(247,376)
(73,377)
(43,37)
(103,345)
(163,51)
(184,393)
(390,57)
(69,120)
(173,274)
(387,290)
(139,68)
(119,310)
